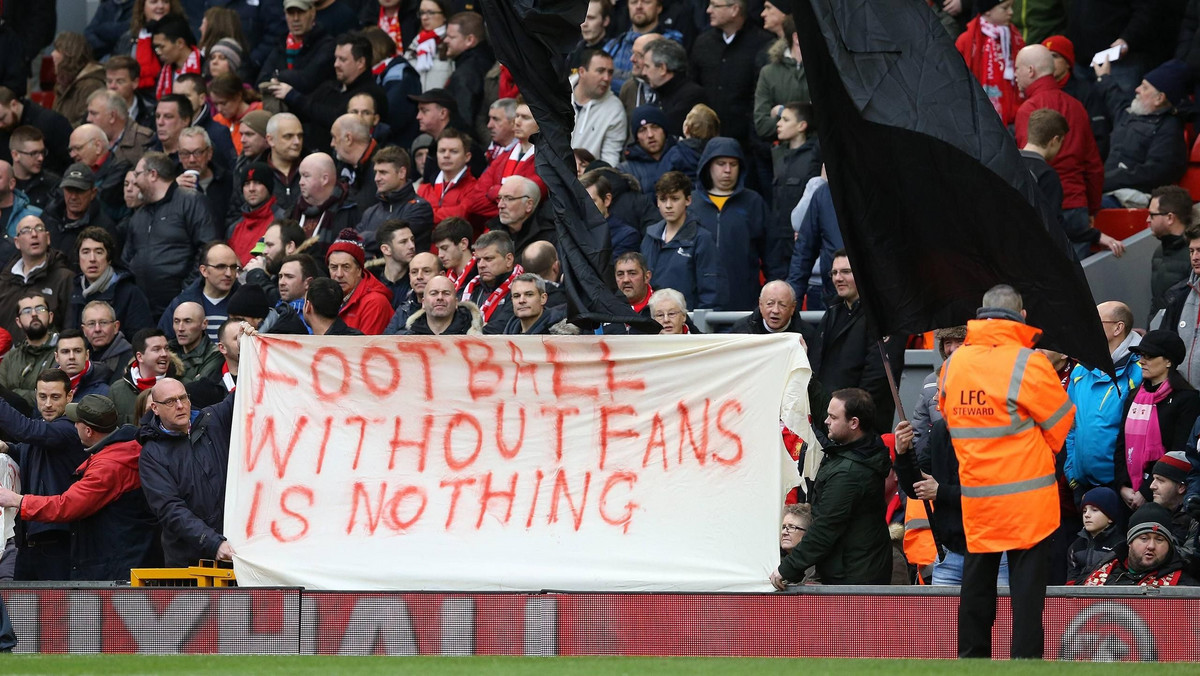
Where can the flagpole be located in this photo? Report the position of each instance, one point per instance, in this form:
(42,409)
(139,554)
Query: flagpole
(887,369)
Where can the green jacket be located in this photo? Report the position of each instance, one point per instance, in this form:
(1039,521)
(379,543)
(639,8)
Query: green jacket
(781,81)
(21,366)
(848,539)
(200,362)
(1039,19)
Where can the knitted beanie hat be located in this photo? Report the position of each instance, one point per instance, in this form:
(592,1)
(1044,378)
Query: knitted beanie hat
(350,242)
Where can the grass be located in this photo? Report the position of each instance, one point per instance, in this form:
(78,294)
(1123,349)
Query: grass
(128,665)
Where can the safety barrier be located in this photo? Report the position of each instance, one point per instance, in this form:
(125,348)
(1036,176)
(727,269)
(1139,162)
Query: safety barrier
(207,573)
(884,622)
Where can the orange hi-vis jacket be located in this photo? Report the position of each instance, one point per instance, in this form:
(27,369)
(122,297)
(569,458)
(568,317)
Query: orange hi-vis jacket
(919,547)
(1008,415)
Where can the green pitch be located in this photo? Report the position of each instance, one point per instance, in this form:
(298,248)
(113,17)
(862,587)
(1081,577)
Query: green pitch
(128,665)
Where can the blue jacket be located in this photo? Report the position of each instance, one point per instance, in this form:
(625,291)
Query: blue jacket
(214,315)
(644,168)
(688,264)
(184,480)
(819,237)
(739,228)
(48,454)
(1099,410)
(123,294)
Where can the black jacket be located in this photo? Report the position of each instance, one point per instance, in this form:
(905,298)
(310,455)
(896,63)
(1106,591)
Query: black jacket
(1145,151)
(313,65)
(677,97)
(847,356)
(848,539)
(753,323)
(184,480)
(40,188)
(53,126)
(64,233)
(793,168)
(127,300)
(403,204)
(122,534)
(1170,269)
(326,220)
(466,83)
(1176,415)
(164,241)
(728,73)
(1089,552)
(937,459)
(318,109)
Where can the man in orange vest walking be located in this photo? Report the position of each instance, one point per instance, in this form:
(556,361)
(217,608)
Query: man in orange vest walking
(1008,415)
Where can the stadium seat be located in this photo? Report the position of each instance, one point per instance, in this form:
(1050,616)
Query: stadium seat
(1121,223)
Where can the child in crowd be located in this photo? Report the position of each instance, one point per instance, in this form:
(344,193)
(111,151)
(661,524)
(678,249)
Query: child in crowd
(990,47)
(1100,535)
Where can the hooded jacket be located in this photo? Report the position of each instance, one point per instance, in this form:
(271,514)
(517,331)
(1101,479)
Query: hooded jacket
(848,539)
(126,298)
(781,81)
(639,164)
(1099,411)
(403,204)
(369,306)
(468,321)
(739,228)
(22,364)
(112,529)
(183,476)
(164,241)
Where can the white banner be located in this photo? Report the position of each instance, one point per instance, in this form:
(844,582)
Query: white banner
(513,463)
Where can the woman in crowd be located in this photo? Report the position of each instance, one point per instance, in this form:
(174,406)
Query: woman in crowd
(1158,417)
(221,40)
(137,43)
(425,52)
(76,75)
(668,307)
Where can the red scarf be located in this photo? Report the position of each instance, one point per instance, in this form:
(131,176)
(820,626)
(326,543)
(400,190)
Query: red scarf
(143,384)
(391,26)
(227,378)
(166,78)
(459,280)
(493,301)
(987,62)
(645,301)
(378,68)
(148,62)
(75,379)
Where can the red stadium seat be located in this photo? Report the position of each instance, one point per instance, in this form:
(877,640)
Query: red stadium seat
(1121,223)
(1191,180)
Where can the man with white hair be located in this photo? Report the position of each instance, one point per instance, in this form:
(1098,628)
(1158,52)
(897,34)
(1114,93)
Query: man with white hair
(127,139)
(285,137)
(517,203)
(323,210)
(203,175)
(354,150)
(776,313)
(90,146)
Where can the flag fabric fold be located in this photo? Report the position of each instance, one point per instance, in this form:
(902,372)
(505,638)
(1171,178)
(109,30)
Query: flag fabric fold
(531,38)
(933,200)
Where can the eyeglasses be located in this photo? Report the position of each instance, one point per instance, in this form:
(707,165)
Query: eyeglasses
(509,199)
(77,148)
(29,230)
(225,267)
(40,309)
(189,154)
(789,528)
(173,401)
(714,5)
(34,153)
(1152,214)
(98,324)
(670,314)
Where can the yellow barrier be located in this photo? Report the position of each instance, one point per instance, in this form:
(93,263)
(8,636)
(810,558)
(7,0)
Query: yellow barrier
(207,573)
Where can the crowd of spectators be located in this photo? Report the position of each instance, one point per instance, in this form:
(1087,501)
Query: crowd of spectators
(351,167)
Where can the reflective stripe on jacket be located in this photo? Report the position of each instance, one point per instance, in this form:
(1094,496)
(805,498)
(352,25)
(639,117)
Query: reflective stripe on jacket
(919,548)
(1008,415)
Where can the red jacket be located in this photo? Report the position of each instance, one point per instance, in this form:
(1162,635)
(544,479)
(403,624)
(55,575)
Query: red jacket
(481,200)
(369,307)
(106,476)
(250,229)
(1078,164)
(452,203)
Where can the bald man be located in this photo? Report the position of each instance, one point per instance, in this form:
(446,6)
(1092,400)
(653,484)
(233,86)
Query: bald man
(442,315)
(14,205)
(354,151)
(1099,409)
(324,208)
(200,356)
(183,465)
(1078,163)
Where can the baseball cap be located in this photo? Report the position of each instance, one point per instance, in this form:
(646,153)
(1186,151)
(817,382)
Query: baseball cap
(79,177)
(94,410)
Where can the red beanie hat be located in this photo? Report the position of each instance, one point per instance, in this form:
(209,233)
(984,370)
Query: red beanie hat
(1062,46)
(349,241)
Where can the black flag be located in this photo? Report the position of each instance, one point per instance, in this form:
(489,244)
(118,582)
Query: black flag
(532,38)
(934,203)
